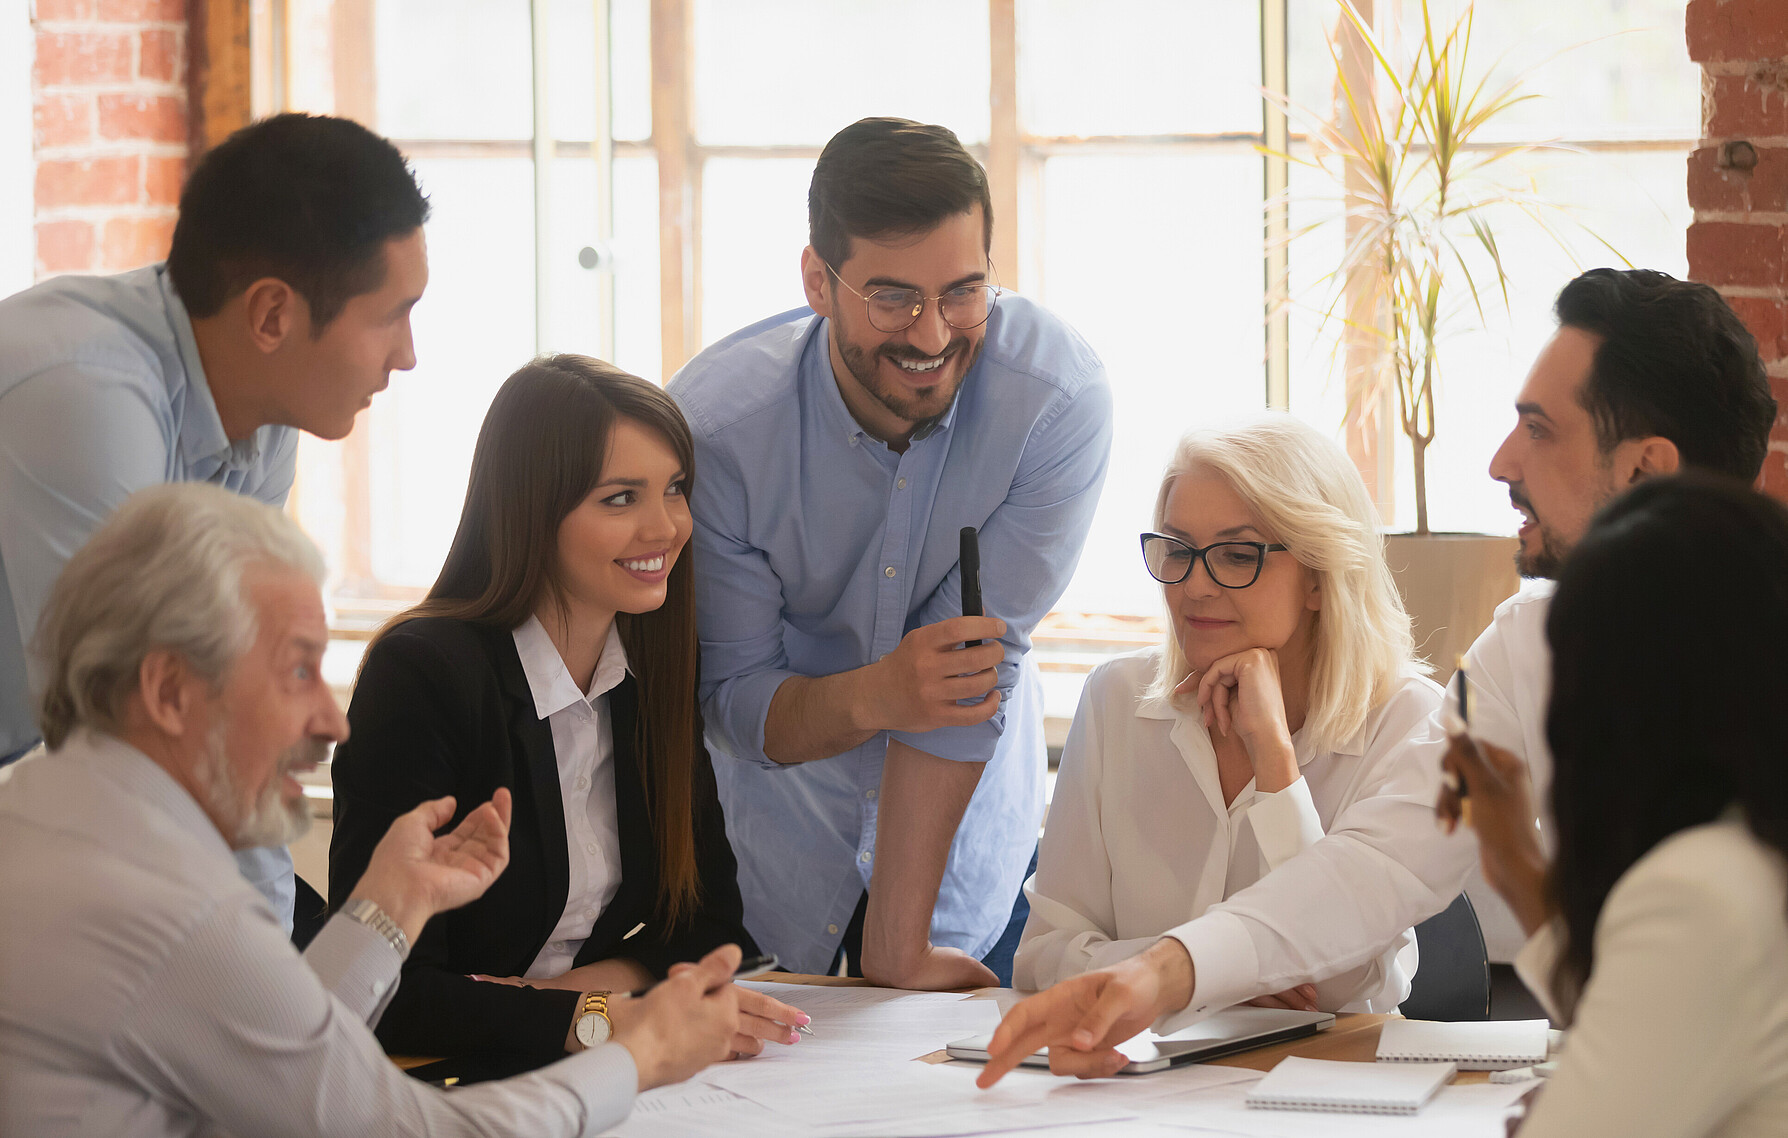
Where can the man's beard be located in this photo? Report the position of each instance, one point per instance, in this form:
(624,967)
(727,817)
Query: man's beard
(1542,562)
(271,821)
(923,407)
(1546,560)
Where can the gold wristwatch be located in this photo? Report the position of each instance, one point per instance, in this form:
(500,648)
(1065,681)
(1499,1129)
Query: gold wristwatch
(593,1027)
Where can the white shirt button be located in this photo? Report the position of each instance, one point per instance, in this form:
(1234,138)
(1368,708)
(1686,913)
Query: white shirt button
(869,794)
(583,783)
(853,440)
(900,485)
(590,848)
(863,857)
(832,930)
(379,986)
(888,572)
(590,913)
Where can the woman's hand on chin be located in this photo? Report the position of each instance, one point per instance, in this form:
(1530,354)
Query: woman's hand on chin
(1240,694)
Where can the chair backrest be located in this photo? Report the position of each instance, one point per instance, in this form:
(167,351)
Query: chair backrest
(308,914)
(1452,980)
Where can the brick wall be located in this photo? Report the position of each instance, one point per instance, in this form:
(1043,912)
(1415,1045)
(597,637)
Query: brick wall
(110,131)
(1738,181)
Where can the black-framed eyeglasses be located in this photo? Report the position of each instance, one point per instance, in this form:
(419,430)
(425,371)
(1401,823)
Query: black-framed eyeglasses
(1231,564)
(897,309)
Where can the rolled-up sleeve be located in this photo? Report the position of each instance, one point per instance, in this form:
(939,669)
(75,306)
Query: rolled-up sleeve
(1030,547)
(738,604)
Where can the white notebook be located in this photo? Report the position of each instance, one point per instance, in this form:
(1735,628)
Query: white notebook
(1357,1088)
(1488,1045)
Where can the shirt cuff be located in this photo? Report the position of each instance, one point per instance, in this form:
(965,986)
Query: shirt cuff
(604,1079)
(1285,823)
(1535,963)
(1225,968)
(741,708)
(357,965)
(972,744)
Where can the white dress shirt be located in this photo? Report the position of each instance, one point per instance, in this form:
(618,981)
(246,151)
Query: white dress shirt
(1511,685)
(146,989)
(1266,892)
(1682,1030)
(584,746)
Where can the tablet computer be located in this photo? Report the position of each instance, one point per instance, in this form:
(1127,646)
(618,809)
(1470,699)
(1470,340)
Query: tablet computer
(1227,1032)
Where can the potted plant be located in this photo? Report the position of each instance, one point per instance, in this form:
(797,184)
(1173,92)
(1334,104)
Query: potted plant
(1421,203)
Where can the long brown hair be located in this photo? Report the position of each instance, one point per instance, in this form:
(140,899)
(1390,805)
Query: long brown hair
(540,452)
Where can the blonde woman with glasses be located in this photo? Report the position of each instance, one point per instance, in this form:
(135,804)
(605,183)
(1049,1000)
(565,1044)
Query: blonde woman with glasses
(1228,802)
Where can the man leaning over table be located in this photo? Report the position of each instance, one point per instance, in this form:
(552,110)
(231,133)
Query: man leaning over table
(1646,375)
(881,781)
(284,305)
(145,988)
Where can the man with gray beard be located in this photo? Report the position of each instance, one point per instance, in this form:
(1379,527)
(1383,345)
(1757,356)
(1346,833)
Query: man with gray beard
(146,988)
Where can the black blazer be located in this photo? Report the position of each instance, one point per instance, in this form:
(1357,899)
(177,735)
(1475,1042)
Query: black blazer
(443,707)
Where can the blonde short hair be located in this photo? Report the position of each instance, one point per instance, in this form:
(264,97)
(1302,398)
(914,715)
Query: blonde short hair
(1307,493)
(163,572)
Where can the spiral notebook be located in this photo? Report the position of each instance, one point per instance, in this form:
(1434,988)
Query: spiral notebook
(1489,1045)
(1354,1088)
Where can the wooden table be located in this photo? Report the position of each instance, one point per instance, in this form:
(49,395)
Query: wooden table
(1353,1038)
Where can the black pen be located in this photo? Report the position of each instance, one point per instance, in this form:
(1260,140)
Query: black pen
(749,969)
(969,557)
(1460,787)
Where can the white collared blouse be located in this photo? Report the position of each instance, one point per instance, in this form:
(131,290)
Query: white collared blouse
(584,749)
(1266,892)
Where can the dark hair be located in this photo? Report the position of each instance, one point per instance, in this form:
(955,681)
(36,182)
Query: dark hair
(540,452)
(891,177)
(1674,361)
(1664,714)
(308,199)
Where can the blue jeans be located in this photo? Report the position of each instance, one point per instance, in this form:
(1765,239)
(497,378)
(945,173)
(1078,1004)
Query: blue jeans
(998,958)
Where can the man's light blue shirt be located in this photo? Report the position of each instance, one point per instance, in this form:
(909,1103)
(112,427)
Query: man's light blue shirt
(101,395)
(817,548)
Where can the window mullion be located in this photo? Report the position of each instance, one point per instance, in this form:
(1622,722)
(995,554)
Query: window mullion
(1003,135)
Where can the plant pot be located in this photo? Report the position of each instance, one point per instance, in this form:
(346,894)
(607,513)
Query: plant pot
(1451,584)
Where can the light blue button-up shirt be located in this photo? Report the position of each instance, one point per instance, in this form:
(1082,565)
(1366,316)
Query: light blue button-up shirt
(817,548)
(101,395)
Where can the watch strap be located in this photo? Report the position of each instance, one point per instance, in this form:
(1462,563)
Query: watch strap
(369,914)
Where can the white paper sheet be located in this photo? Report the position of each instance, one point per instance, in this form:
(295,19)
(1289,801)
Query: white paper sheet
(884,1026)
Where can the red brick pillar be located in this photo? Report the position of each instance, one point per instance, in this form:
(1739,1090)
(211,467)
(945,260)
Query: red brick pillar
(110,111)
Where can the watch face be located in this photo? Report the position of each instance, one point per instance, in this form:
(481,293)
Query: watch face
(592,1029)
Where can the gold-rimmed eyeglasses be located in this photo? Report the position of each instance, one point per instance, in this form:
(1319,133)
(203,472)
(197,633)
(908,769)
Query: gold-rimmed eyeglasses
(897,309)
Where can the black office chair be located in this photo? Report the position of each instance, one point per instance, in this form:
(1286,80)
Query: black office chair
(1452,980)
(308,914)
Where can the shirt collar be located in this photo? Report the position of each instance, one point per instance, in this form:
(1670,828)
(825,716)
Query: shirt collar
(549,681)
(816,371)
(201,427)
(146,783)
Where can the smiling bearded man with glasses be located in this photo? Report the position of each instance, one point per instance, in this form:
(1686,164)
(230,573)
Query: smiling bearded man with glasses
(882,782)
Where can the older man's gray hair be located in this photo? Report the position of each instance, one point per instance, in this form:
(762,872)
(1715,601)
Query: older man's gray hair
(164,572)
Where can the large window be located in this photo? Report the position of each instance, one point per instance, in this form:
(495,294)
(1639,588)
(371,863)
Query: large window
(1123,143)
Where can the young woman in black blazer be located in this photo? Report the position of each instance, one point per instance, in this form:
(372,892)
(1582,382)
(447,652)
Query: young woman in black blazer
(572,550)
